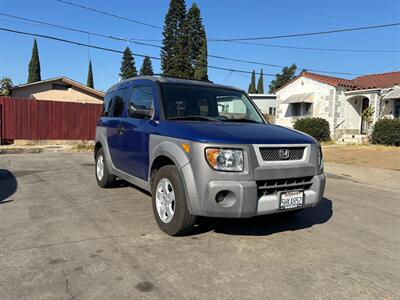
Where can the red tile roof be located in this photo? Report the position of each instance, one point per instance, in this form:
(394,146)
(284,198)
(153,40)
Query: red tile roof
(383,80)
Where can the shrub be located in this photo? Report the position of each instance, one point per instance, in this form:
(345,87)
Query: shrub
(318,128)
(386,132)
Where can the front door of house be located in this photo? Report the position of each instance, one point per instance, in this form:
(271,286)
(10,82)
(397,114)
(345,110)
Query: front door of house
(397,108)
(364,125)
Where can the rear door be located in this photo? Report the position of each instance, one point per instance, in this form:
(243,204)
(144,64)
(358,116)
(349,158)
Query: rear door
(135,148)
(114,128)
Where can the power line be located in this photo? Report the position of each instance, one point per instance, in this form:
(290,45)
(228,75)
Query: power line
(138,41)
(307,33)
(317,49)
(117,51)
(109,14)
(158,46)
(240,39)
(79,30)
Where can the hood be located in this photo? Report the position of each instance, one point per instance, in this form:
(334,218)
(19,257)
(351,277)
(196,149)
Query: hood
(233,133)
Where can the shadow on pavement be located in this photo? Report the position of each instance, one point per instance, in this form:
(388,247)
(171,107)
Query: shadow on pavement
(268,224)
(8,185)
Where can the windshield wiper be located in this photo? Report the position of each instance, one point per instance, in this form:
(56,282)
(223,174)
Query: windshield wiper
(196,118)
(242,120)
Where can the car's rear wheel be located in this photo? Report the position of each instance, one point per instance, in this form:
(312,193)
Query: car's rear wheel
(169,202)
(103,177)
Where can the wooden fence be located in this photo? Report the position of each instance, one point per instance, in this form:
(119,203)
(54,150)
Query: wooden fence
(28,119)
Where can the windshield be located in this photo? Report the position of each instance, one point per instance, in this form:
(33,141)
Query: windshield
(190,102)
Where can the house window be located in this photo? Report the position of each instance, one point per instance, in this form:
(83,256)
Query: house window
(296,109)
(301,109)
(60,86)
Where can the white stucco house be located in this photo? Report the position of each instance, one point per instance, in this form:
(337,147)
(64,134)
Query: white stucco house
(265,102)
(340,101)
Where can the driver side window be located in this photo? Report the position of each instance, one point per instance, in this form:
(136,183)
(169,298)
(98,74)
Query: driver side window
(142,97)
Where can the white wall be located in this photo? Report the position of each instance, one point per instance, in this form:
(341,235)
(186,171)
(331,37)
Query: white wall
(323,97)
(264,102)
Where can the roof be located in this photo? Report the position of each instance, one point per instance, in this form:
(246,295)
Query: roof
(299,98)
(65,80)
(393,94)
(171,80)
(384,80)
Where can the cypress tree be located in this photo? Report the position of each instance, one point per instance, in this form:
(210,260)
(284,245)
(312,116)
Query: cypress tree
(128,68)
(34,65)
(181,61)
(196,35)
(201,70)
(260,83)
(252,86)
(173,22)
(147,68)
(89,81)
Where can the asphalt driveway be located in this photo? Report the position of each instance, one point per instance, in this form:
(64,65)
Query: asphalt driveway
(62,237)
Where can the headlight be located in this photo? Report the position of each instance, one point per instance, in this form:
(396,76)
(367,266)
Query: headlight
(225,159)
(320,158)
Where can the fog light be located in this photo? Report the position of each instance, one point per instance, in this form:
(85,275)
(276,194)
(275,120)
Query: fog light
(220,196)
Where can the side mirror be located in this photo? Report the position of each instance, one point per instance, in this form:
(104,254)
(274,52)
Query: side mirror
(135,112)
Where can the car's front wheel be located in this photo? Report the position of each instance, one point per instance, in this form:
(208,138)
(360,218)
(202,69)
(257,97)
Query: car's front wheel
(103,177)
(169,202)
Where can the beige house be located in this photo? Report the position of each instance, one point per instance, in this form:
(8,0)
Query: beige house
(58,89)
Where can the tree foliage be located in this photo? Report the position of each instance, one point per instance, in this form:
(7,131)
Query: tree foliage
(173,22)
(34,65)
(89,81)
(282,78)
(201,70)
(147,68)
(6,86)
(128,68)
(184,51)
(260,83)
(252,87)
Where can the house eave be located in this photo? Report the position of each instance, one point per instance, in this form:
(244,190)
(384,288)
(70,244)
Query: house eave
(353,92)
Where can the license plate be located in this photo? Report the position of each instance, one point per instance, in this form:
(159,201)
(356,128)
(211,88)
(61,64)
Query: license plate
(290,200)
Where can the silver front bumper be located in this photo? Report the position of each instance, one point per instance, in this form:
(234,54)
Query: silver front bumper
(245,201)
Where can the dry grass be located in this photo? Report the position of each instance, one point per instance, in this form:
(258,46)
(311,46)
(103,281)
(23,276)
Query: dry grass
(375,156)
(83,148)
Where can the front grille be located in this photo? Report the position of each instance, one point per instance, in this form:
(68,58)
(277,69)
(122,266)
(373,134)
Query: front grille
(273,186)
(275,153)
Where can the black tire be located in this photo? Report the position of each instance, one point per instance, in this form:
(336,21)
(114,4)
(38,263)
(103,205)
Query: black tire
(182,221)
(108,180)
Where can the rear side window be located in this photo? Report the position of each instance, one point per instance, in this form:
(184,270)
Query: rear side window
(119,102)
(107,105)
(142,97)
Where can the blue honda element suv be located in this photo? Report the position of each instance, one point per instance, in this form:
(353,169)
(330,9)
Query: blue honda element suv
(203,149)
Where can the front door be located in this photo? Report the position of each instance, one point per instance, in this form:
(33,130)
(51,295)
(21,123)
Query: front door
(364,125)
(396,108)
(135,147)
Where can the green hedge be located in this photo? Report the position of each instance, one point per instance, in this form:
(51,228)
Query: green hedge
(318,128)
(386,132)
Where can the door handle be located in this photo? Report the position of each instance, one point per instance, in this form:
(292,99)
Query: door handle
(120,129)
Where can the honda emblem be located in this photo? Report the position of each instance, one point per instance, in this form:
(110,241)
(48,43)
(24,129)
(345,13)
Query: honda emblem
(284,153)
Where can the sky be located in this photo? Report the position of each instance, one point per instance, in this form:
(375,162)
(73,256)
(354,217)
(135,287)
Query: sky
(222,19)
